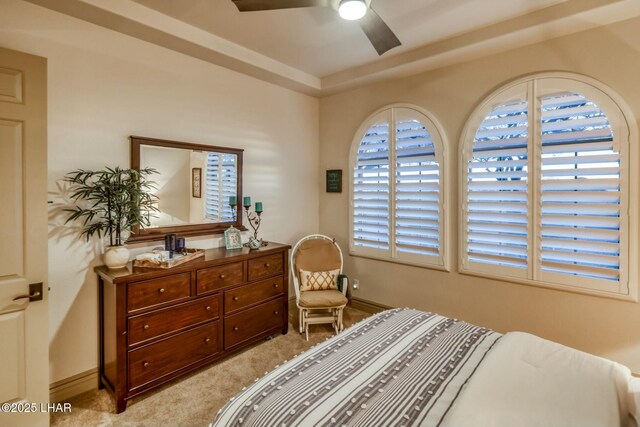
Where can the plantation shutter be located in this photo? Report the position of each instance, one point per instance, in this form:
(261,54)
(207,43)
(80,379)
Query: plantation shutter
(417,189)
(371,189)
(547,190)
(397,205)
(580,190)
(497,191)
(220,184)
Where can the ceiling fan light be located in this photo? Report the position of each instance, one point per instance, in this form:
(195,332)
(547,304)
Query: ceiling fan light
(352,10)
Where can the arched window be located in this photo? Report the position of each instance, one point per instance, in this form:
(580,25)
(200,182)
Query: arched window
(397,189)
(545,186)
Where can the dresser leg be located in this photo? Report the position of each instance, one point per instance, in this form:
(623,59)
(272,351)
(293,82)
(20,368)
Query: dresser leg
(121,405)
(285,329)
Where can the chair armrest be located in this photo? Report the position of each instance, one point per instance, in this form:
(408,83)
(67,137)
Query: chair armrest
(343,283)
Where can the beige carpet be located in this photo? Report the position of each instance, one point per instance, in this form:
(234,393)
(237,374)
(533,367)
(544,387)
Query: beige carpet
(195,399)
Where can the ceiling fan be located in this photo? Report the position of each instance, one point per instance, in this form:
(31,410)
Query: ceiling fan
(379,33)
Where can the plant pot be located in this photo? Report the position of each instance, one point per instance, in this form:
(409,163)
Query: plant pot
(116,257)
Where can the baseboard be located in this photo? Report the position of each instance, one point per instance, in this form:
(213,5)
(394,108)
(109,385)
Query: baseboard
(67,388)
(367,306)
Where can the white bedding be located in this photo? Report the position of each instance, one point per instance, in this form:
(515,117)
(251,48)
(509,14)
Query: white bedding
(408,368)
(528,381)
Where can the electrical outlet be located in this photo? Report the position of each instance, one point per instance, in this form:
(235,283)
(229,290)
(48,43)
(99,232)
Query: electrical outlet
(356,284)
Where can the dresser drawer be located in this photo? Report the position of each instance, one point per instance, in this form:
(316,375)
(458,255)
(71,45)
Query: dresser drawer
(162,358)
(214,278)
(253,322)
(150,293)
(251,294)
(265,266)
(153,325)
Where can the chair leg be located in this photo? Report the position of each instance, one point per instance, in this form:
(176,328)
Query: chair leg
(301,320)
(306,331)
(340,322)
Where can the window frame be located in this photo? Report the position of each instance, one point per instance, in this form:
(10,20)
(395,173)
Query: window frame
(626,139)
(441,147)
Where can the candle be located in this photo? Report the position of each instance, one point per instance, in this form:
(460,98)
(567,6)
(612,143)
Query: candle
(246,202)
(232,200)
(180,244)
(258,207)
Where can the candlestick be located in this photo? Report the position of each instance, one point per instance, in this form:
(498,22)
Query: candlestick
(246,202)
(253,220)
(259,207)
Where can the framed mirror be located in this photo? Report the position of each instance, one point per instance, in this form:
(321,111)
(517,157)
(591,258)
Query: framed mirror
(194,183)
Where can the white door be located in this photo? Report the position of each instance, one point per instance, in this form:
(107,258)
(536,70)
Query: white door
(24,337)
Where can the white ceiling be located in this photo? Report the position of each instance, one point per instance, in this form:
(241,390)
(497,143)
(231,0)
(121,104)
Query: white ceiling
(313,51)
(317,41)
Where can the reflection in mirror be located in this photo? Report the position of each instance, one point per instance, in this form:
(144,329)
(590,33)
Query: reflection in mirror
(194,183)
(193,186)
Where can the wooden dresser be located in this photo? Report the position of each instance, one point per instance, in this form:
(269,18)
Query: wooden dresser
(156,325)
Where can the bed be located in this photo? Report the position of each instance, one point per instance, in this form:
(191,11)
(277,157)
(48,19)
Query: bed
(405,367)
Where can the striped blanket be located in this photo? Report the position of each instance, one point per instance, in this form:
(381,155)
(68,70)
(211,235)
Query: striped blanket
(401,367)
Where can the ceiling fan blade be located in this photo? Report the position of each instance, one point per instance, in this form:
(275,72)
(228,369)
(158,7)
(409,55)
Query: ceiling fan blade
(379,33)
(254,5)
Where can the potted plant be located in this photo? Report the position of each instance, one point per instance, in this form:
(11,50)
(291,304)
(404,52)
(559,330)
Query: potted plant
(110,202)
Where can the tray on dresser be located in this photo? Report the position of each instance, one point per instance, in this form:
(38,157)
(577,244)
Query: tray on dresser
(177,259)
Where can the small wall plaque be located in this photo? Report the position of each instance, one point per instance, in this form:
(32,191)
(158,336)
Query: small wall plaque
(334,181)
(196,183)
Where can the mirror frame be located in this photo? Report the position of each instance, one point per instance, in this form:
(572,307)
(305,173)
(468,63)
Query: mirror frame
(158,233)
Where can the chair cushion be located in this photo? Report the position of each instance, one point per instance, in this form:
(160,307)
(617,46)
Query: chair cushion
(321,299)
(318,280)
(316,255)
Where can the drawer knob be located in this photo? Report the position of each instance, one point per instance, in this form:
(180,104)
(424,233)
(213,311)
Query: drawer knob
(222,276)
(208,308)
(207,340)
(145,364)
(235,328)
(275,285)
(267,265)
(236,298)
(145,327)
(161,290)
(275,312)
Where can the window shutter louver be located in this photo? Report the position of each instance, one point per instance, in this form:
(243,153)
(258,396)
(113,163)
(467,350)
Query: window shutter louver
(497,189)
(417,192)
(580,189)
(220,184)
(371,189)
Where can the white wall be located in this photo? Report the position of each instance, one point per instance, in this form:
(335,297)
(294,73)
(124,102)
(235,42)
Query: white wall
(601,326)
(172,182)
(105,86)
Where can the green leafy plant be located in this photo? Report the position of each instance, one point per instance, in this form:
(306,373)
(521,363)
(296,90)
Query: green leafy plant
(111,201)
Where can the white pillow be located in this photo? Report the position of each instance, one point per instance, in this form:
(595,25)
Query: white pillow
(318,280)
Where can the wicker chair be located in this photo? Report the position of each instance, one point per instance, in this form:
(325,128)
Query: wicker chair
(319,253)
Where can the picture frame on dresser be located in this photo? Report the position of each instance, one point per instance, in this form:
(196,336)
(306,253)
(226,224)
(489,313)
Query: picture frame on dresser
(157,325)
(232,238)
